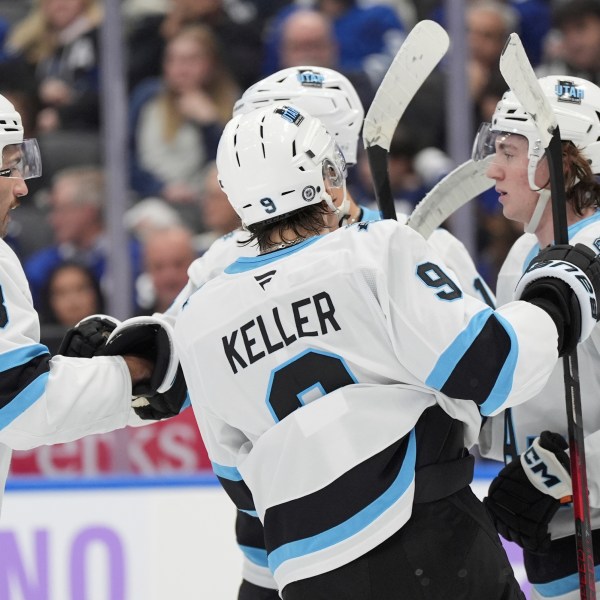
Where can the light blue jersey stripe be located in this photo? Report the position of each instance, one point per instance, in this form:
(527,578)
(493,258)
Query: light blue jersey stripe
(224,472)
(572,232)
(369,214)
(562,586)
(355,524)
(257,556)
(452,355)
(247,263)
(22,401)
(186,404)
(504,383)
(21,356)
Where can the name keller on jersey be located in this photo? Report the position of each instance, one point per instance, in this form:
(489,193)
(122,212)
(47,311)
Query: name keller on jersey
(266,334)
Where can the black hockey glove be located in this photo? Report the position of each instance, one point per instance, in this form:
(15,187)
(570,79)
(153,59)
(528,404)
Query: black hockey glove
(524,497)
(564,281)
(88,337)
(163,405)
(151,338)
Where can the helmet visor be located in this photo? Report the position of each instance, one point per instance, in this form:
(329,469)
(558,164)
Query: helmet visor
(485,141)
(335,173)
(21,160)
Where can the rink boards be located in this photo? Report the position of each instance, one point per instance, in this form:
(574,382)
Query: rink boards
(126,539)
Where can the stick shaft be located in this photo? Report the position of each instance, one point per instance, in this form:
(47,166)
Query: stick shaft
(581,505)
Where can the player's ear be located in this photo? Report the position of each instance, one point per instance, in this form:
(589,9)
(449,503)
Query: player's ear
(333,176)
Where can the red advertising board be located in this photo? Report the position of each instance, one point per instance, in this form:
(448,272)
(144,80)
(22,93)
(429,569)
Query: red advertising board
(172,446)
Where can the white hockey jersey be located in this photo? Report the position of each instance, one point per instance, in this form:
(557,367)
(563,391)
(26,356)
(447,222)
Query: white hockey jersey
(547,410)
(46,400)
(309,367)
(229,248)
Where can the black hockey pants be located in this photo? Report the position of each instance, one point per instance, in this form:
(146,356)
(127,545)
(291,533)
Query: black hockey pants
(448,550)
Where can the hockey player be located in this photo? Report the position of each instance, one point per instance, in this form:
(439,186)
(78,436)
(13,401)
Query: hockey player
(45,400)
(330,96)
(536,519)
(323,374)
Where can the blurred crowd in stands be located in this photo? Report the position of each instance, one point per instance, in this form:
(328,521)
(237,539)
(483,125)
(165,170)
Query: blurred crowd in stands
(187,62)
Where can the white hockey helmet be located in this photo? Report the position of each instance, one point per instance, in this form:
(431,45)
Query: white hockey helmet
(576,104)
(274,160)
(323,93)
(20,158)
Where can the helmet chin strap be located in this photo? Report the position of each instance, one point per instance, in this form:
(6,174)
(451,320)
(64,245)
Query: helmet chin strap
(538,211)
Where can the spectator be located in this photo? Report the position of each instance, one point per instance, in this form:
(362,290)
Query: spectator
(366,38)
(578,54)
(149,214)
(176,121)
(71,293)
(240,37)
(217,213)
(307,37)
(59,40)
(488,25)
(77,198)
(533,17)
(168,252)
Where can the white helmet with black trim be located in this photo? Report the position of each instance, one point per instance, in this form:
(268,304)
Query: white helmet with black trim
(323,93)
(576,104)
(20,158)
(276,160)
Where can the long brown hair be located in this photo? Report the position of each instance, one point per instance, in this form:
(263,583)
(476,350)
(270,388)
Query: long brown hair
(36,40)
(582,186)
(221,87)
(302,224)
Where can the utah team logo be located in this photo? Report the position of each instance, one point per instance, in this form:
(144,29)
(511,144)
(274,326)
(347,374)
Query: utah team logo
(308,193)
(290,114)
(567,91)
(310,79)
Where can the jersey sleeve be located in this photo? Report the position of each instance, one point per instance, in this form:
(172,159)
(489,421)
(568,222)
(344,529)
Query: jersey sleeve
(46,400)
(458,259)
(454,342)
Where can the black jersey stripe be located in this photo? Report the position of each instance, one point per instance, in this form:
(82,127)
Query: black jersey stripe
(249,531)
(238,491)
(339,501)
(16,380)
(478,370)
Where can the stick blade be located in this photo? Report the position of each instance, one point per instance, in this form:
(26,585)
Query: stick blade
(422,50)
(522,80)
(457,188)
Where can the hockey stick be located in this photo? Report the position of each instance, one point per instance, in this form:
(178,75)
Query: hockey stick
(421,51)
(518,73)
(453,191)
